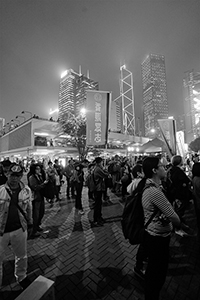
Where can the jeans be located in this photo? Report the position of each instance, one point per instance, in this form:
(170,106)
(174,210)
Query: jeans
(70,186)
(141,256)
(38,213)
(79,188)
(18,240)
(157,248)
(97,206)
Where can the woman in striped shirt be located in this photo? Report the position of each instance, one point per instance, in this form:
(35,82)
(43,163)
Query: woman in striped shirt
(158,232)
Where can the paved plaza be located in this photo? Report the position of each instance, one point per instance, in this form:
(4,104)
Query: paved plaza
(97,263)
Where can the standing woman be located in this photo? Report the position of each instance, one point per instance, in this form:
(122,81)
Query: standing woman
(196,192)
(78,179)
(158,232)
(37,185)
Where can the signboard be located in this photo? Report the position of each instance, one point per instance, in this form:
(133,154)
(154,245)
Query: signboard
(180,143)
(168,130)
(97,117)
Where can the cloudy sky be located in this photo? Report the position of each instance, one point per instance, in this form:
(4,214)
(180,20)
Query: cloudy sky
(40,39)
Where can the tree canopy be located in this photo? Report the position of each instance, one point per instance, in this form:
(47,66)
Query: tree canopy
(75,127)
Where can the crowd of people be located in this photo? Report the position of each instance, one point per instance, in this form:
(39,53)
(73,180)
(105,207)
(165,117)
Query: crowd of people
(170,192)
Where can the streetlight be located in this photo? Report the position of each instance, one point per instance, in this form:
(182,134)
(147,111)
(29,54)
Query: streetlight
(27,112)
(83,111)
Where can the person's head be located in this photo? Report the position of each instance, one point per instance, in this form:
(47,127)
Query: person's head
(14,174)
(177,160)
(50,164)
(98,160)
(196,169)
(70,162)
(153,168)
(36,169)
(137,171)
(56,161)
(6,166)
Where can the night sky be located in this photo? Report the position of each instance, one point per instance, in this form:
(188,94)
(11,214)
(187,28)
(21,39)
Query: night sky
(42,38)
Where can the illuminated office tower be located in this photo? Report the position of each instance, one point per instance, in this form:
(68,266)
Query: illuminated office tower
(72,92)
(155,105)
(191,84)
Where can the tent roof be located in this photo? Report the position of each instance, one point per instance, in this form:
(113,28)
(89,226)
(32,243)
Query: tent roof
(154,144)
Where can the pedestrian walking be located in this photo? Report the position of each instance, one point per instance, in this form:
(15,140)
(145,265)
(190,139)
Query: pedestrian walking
(37,186)
(68,172)
(99,175)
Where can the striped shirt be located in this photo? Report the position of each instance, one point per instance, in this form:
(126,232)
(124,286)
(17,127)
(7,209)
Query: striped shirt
(154,199)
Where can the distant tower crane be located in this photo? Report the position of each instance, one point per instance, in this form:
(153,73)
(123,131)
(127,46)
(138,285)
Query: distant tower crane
(126,101)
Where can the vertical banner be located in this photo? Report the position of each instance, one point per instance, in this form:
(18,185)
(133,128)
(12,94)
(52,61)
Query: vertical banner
(180,143)
(97,121)
(168,130)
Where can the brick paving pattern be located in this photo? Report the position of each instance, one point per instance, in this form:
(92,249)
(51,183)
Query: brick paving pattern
(97,263)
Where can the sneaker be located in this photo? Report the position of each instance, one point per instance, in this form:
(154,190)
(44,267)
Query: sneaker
(25,283)
(81,212)
(181,232)
(97,224)
(139,273)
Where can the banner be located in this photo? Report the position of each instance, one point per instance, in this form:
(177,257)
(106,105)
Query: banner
(97,117)
(168,130)
(180,143)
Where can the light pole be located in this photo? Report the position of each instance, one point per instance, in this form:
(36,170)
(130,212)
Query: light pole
(27,112)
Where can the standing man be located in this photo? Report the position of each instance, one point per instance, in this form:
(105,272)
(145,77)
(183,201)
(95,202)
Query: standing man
(15,220)
(99,175)
(69,171)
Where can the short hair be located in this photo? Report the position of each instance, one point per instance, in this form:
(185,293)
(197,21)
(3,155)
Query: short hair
(176,160)
(149,164)
(137,168)
(6,163)
(98,160)
(196,169)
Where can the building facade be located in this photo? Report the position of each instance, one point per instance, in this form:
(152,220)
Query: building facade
(191,86)
(72,92)
(155,103)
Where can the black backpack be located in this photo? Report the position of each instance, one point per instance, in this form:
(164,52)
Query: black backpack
(132,222)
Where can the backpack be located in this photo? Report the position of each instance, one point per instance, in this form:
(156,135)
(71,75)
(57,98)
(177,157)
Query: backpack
(90,182)
(132,222)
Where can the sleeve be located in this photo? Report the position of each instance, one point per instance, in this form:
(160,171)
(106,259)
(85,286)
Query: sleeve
(159,200)
(29,208)
(34,184)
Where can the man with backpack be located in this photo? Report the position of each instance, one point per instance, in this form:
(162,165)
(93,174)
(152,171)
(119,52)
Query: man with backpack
(99,175)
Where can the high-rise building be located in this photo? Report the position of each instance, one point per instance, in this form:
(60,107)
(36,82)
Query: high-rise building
(155,104)
(191,84)
(72,92)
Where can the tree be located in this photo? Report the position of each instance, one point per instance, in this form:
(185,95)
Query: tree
(195,145)
(75,127)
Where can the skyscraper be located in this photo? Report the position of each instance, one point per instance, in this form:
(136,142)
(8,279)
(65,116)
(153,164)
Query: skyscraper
(191,84)
(155,105)
(72,92)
